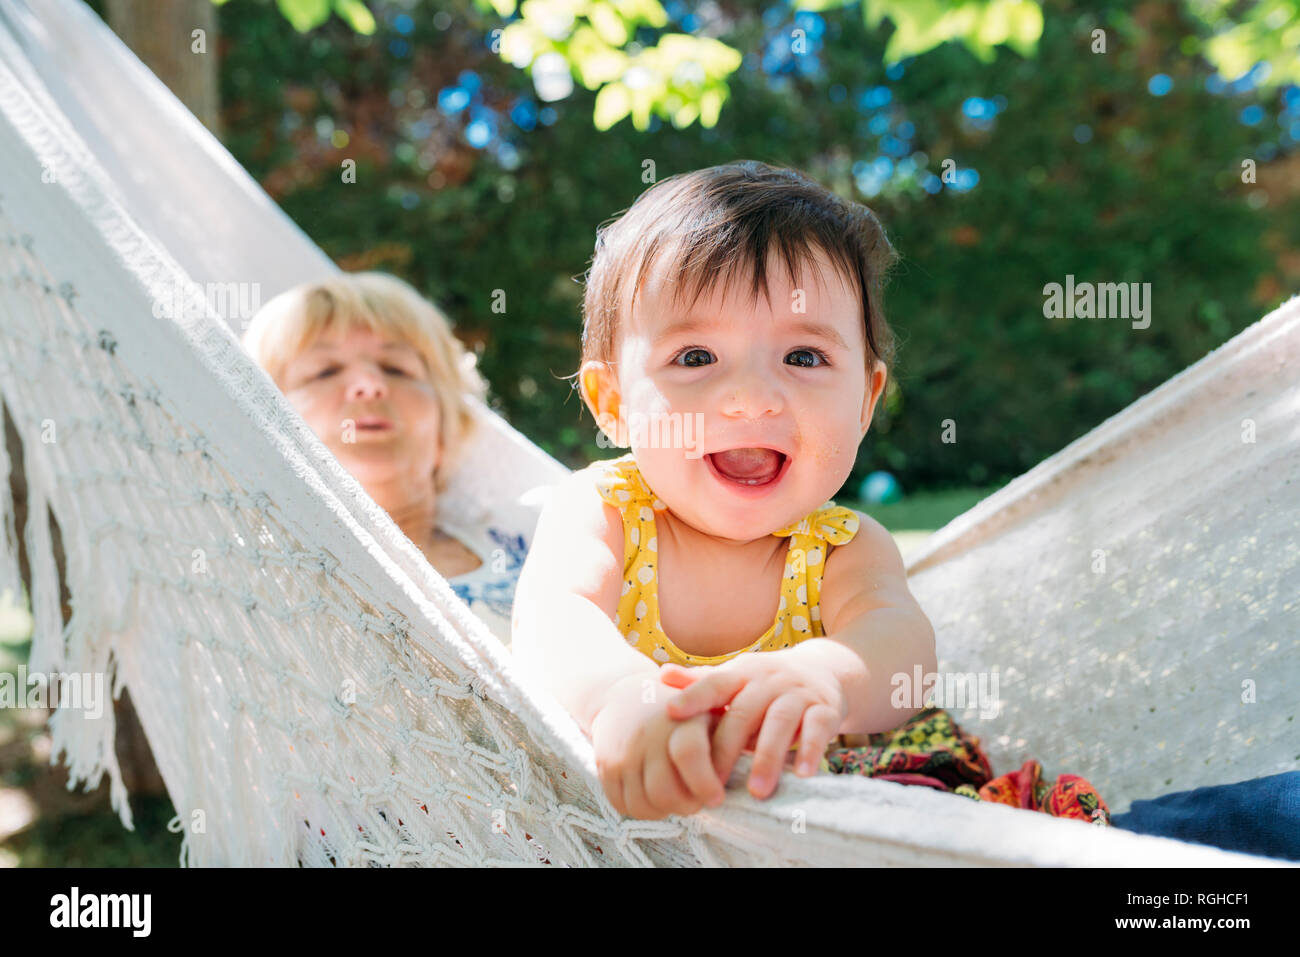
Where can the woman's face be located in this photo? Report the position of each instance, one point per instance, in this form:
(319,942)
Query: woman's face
(369,400)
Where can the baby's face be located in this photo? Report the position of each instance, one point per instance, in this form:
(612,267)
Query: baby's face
(785,373)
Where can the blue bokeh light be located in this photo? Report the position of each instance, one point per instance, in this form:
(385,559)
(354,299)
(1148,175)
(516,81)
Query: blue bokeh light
(452,99)
(478,133)
(524,115)
(507,156)
(893,146)
(811,23)
(1160,84)
(875,97)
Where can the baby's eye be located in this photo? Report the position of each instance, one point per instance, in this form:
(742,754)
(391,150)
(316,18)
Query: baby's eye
(694,352)
(817,354)
(396,370)
(327,371)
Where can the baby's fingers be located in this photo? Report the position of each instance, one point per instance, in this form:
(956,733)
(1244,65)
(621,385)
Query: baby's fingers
(780,726)
(820,725)
(691,752)
(713,691)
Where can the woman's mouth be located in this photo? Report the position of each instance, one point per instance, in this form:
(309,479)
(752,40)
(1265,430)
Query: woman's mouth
(749,470)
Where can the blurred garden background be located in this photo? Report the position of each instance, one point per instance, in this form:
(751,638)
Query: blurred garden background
(471,146)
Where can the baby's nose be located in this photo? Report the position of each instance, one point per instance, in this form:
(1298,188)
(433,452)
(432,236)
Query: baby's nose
(753,397)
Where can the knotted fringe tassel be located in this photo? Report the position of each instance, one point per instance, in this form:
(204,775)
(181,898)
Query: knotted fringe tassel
(84,647)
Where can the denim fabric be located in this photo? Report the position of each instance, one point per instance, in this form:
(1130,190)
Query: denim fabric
(1259,816)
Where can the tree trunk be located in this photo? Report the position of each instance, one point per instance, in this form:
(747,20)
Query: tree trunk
(162,33)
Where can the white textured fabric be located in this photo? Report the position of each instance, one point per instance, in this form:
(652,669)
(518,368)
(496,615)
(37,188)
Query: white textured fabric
(294,659)
(500,538)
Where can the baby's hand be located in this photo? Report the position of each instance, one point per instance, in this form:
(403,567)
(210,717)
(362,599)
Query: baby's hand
(782,696)
(652,765)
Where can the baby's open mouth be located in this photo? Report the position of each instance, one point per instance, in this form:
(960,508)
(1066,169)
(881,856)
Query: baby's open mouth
(752,466)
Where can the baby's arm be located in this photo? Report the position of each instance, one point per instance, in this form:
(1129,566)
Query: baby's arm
(564,634)
(566,598)
(874,628)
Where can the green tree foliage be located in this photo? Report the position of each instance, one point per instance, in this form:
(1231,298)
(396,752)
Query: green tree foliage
(307,15)
(682,78)
(1082,172)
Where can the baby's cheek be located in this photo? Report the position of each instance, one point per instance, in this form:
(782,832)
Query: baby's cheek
(832,449)
(641,396)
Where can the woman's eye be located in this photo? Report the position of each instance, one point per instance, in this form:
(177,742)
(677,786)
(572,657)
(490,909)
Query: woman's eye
(707,357)
(817,355)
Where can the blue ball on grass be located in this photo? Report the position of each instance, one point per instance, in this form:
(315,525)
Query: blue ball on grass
(880,488)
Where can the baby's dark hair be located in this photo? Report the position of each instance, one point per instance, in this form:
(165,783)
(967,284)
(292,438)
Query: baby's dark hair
(725,219)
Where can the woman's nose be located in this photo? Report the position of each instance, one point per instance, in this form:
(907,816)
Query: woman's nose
(752,395)
(365,382)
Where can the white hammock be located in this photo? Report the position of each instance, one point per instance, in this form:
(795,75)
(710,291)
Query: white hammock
(226,569)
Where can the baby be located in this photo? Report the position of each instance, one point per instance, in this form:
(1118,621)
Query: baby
(743,413)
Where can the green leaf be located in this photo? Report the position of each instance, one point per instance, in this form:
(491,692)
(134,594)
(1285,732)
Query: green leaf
(649,12)
(685,115)
(608,24)
(613,102)
(817,6)
(1231,54)
(356,14)
(305,15)
(981,25)
(522,43)
(643,101)
(711,105)
(595,61)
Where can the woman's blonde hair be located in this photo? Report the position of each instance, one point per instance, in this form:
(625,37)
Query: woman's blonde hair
(387,306)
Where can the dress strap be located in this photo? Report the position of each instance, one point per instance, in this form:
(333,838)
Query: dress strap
(620,484)
(833,524)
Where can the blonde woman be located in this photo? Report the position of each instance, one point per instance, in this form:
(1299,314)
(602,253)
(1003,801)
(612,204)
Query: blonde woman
(374,370)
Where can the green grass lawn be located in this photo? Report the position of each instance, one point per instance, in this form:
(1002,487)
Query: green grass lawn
(44,825)
(917,516)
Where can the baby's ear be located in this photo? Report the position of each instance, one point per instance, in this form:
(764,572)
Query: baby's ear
(875,389)
(599,387)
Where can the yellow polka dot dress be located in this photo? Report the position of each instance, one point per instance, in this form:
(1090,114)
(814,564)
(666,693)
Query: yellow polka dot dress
(798,616)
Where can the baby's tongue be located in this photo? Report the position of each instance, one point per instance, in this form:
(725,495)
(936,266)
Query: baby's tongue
(748,464)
